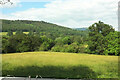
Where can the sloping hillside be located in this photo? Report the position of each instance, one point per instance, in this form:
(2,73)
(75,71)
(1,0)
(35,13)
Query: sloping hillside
(39,26)
(81,29)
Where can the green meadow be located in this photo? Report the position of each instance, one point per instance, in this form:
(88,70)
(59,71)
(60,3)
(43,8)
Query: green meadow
(5,33)
(60,65)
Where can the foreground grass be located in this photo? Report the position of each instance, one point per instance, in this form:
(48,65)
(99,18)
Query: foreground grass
(60,65)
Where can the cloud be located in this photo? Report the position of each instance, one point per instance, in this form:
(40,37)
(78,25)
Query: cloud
(36,0)
(72,13)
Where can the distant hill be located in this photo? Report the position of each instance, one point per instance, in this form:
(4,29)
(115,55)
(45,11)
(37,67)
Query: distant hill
(40,27)
(81,29)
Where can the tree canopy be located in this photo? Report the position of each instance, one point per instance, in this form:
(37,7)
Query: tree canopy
(103,39)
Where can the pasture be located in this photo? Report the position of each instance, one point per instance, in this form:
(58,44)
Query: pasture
(59,65)
(5,33)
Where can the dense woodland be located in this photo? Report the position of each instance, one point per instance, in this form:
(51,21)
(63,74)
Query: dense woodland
(39,27)
(99,38)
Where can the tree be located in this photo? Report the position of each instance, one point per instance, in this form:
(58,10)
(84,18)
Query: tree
(97,34)
(10,33)
(35,42)
(113,47)
(19,32)
(66,40)
(47,44)
(101,28)
(21,43)
(5,44)
(31,33)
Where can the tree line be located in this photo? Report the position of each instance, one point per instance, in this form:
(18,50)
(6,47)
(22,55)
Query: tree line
(100,39)
(21,42)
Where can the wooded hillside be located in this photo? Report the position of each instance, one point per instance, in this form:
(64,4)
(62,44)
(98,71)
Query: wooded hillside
(40,27)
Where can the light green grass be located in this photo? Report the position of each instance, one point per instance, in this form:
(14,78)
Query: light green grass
(60,65)
(5,33)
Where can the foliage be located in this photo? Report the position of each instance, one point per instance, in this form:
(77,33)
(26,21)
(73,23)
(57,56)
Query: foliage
(71,48)
(24,36)
(20,43)
(97,38)
(47,44)
(101,28)
(57,48)
(5,45)
(41,28)
(113,47)
(74,48)
(66,40)
(19,32)
(10,33)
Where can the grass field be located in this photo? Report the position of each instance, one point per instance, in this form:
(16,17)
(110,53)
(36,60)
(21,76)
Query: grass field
(5,33)
(60,65)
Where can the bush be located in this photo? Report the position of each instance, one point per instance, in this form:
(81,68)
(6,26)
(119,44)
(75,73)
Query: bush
(73,48)
(56,48)
(44,47)
(47,44)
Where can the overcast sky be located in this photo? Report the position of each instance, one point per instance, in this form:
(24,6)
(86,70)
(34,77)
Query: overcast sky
(69,13)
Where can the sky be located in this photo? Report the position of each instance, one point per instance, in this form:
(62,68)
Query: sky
(68,13)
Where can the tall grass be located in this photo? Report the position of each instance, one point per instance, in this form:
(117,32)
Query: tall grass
(60,65)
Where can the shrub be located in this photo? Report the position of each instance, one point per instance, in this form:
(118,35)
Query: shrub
(56,48)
